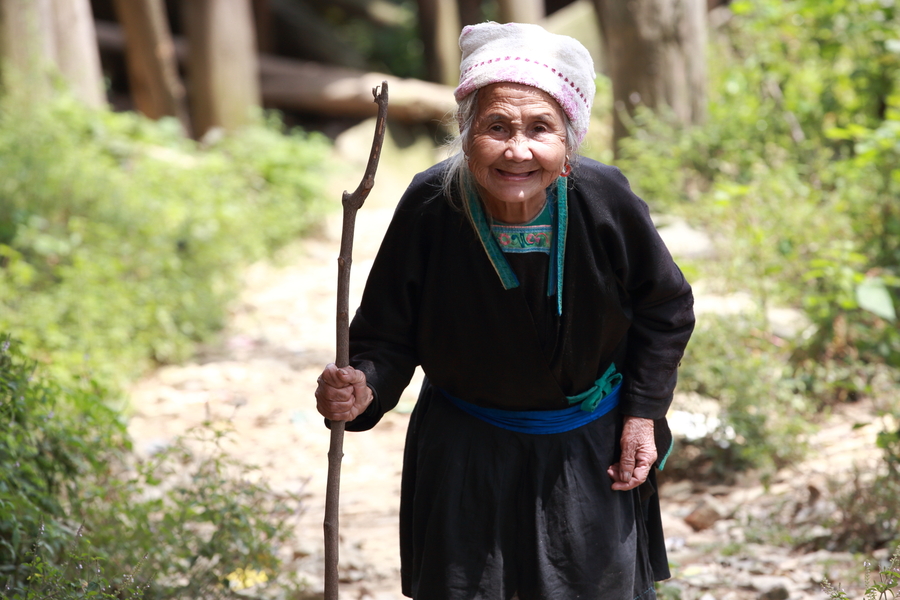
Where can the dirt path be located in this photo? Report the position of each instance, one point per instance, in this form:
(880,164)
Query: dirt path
(261,376)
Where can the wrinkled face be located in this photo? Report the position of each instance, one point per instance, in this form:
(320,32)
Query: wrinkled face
(517,148)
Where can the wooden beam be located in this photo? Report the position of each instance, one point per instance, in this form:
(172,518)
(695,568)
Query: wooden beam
(152,68)
(439,31)
(326,89)
(332,91)
(222,64)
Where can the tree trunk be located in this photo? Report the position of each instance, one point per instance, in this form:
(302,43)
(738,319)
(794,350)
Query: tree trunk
(223,65)
(262,19)
(439,31)
(76,51)
(27,47)
(521,11)
(152,68)
(655,53)
(470,12)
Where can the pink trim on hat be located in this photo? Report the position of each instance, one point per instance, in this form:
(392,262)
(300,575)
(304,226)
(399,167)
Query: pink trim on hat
(460,95)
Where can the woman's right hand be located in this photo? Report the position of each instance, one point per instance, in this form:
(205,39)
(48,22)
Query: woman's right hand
(342,394)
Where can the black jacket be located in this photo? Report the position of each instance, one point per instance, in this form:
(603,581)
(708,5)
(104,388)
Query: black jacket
(434,299)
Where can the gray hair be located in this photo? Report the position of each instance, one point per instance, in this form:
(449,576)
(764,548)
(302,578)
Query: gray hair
(458,177)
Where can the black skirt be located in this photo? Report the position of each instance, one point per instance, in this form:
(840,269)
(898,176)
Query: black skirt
(488,513)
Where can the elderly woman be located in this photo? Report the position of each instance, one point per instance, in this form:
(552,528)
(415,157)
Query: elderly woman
(549,320)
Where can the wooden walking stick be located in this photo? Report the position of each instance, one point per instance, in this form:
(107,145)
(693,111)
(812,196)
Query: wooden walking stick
(352,203)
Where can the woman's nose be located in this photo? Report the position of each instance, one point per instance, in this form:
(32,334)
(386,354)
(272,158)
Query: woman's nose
(518,148)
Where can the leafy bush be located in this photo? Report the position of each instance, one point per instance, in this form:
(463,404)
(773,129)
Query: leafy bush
(200,523)
(120,240)
(54,439)
(196,522)
(888,582)
(796,175)
(868,516)
(80,575)
(762,418)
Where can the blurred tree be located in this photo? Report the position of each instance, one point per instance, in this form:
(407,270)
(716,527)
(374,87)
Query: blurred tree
(76,50)
(470,12)
(27,47)
(439,30)
(521,11)
(223,64)
(655,56)
(43,38)
(262,19)
(156,88)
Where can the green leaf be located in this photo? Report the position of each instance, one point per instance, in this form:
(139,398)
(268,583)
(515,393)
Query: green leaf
(873,296)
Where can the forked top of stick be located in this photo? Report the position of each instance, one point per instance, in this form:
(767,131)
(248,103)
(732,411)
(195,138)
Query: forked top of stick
(355,200)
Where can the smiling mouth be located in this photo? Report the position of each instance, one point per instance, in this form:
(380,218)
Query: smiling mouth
(523,175)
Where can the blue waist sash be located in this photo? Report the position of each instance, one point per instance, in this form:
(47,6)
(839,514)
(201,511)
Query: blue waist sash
(586,407)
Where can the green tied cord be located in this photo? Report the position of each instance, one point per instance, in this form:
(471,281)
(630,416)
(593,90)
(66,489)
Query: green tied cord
(602,388)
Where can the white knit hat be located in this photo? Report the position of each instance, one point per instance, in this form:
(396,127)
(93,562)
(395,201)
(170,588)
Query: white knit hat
(529,55)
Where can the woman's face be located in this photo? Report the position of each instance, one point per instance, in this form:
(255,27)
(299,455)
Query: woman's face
(517,149)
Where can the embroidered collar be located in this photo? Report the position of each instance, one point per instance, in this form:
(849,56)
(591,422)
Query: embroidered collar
(557,203)
(534,236)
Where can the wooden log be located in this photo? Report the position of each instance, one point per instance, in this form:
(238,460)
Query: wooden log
(76,51)
(152,69)
(326,89)
(222,64)
(332,91)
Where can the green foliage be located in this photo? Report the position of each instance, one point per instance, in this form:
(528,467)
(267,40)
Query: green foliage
(197,522)
(53,440)
(79,576)
(763,417)
(796,173)
(868,515)
(394,48)
(886,586)
(200,522)
(120,240)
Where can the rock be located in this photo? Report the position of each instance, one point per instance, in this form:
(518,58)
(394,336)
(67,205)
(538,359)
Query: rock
(772,588)
(787,322)
(674,544)
(683,241)
(706,514)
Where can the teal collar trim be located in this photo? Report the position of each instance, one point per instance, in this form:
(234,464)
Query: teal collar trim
(558,252)
(491,247)
(557,199)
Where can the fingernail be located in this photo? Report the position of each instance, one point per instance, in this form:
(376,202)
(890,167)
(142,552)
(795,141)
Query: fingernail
(626,475)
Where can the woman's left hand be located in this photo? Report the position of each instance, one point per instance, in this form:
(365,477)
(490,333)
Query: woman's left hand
(638,454)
